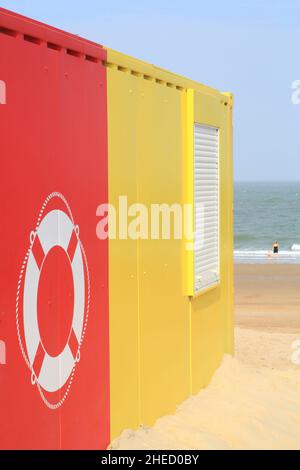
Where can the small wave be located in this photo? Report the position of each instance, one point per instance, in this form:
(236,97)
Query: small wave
(265,256)
(295,247)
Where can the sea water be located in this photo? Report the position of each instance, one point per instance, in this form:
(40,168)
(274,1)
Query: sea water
(265,213)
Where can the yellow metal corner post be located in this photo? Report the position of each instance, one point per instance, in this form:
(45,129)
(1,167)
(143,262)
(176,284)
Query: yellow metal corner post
(230,184)
(188,191)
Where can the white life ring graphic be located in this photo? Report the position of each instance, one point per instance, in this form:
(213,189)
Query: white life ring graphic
(53,299)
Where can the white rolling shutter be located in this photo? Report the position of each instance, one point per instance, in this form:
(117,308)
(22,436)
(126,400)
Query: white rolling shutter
(206,207)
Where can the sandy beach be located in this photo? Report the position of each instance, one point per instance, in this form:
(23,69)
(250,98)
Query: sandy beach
(253,401)
(267,297)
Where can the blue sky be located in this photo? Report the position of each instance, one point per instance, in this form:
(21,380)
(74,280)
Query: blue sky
(248,47)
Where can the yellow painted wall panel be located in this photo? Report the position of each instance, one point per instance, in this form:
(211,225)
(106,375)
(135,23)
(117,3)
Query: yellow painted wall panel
(211,312)
(123,264)
(164,321)
(164,344)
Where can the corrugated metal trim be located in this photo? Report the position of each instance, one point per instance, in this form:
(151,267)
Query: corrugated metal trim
(150,78)
(36,33)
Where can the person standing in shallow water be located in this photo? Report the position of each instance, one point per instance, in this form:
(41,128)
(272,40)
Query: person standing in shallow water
(275,248)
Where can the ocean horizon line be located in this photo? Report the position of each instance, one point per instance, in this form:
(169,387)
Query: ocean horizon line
(266,181)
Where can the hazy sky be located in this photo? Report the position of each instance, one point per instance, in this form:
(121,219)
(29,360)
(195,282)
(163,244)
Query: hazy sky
(249,47)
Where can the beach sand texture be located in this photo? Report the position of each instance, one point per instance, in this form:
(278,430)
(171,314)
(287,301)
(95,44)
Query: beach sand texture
(253,401)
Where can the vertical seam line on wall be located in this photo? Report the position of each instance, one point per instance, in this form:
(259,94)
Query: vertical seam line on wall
(107,302)
(138,289)
(189,196)
(190,347)
(139,333)
(191,200)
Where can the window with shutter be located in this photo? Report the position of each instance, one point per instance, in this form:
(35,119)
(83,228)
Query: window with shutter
(206,207)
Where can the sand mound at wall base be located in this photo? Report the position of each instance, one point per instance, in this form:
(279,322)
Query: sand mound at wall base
(244,407)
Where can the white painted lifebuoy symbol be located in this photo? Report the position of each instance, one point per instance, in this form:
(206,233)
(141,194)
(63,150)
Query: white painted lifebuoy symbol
(55,237)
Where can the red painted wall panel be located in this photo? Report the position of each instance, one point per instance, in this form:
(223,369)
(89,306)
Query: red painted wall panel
(54,389)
